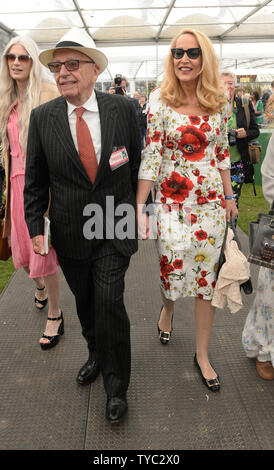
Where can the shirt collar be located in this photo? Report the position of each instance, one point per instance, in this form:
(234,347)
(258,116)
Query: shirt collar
(90,105)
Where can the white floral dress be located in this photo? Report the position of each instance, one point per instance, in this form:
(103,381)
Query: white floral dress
(258,333)
(182,157)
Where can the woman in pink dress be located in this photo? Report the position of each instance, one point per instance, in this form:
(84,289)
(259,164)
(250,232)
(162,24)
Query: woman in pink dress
(23,86)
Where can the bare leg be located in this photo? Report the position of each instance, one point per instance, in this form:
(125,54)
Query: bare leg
(166,314)
(39,282)
(52,285)
(204,315)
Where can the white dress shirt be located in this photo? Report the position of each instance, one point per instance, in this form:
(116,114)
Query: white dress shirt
(92,118)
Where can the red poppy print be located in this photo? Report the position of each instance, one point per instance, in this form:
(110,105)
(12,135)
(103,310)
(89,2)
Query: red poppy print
(149,117)
(192,143)
(200,179)
(212,195)
(202,282)
(206,118)
(165,267)
(220,157)
(203,273)
(202,200)
(176,187)
(165,283)
(170,144)
(191,218)
(200,235)
(156,136)
(205,127)
(178,264)
(196,172)
(212,162)
(195,120)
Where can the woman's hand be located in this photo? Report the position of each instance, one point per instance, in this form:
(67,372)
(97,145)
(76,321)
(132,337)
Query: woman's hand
(142,224)
(231,209)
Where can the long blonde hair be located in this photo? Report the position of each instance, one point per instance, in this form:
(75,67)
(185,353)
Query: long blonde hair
(210,91)
(8,92)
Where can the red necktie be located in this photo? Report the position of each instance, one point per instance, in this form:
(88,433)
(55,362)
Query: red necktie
(85,145)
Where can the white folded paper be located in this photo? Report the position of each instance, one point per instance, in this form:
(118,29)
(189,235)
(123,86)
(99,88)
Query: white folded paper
(46,233)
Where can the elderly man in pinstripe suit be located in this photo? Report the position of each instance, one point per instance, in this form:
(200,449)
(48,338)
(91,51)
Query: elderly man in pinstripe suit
(79,181)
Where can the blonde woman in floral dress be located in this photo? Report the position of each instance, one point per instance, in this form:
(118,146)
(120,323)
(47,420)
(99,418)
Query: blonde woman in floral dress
(186,164)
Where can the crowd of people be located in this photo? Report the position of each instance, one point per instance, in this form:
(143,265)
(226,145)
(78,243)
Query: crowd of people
(66,147)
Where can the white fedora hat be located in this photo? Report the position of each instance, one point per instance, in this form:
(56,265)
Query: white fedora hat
(78,40)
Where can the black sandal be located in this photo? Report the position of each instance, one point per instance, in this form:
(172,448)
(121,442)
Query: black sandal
(42,302)
(53,340)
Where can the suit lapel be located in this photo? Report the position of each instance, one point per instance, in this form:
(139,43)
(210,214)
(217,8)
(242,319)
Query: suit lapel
(108,116)
(61,127)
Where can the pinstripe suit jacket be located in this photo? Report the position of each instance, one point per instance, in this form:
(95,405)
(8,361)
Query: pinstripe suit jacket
(53,164)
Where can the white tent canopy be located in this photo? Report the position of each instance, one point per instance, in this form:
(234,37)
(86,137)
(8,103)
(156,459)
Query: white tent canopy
(135,35)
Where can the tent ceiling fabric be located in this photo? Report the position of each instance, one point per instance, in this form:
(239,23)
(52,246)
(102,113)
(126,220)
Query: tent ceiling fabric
(136,35)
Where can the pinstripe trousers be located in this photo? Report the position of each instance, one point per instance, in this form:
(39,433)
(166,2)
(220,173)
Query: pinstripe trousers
(98,286)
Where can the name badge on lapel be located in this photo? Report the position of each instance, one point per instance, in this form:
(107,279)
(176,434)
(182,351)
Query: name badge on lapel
(118,157)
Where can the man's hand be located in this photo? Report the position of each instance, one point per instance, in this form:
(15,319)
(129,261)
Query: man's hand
(38,245)
(241,133)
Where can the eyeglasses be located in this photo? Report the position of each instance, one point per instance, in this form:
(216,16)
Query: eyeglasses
(21,57)
(192,53)
(70,65)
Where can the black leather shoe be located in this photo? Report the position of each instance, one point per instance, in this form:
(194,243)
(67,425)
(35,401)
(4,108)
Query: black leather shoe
(213,384)
(164,336)
(116,409)
(89,372)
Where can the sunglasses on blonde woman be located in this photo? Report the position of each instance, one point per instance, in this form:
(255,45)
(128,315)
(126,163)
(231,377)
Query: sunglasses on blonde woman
(21,57)
(192,53)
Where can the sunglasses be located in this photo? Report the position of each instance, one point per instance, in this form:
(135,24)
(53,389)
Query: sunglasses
(192,53)
(70,65)
(21,57)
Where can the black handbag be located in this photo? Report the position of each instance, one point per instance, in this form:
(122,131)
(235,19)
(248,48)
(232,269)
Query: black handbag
(247,285)
(261,240)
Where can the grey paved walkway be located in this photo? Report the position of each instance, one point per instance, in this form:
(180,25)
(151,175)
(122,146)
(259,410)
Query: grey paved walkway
(42,407)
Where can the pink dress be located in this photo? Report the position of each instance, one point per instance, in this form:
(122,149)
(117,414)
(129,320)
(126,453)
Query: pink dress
(21,244)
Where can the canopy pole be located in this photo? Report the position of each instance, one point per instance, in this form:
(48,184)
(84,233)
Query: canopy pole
(157,63)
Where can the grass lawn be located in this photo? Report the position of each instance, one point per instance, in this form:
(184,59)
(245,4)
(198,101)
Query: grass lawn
(250,206)
(6,270)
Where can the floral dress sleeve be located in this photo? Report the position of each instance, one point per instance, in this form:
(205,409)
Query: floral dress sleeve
(152,154)
(222,147)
